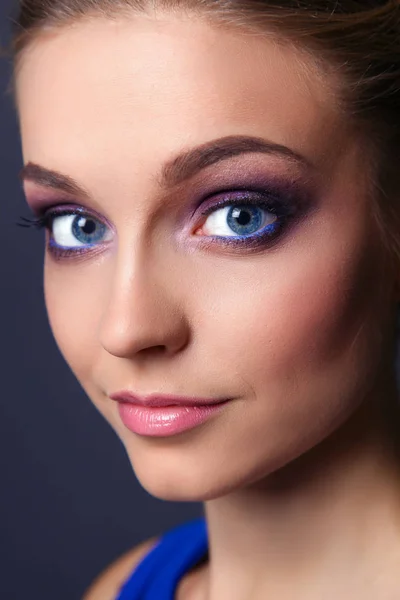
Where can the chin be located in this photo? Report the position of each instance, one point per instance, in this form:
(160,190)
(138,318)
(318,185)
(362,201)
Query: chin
(178,480)
(177,486)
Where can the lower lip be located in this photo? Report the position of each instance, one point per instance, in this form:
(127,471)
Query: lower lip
(167,420)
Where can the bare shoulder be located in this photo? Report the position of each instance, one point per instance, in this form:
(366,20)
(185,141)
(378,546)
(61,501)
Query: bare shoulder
(107,584)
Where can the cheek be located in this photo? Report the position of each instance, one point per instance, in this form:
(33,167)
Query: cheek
(74,305)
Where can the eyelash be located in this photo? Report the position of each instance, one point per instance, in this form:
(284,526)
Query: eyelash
(44,222)
(282,208)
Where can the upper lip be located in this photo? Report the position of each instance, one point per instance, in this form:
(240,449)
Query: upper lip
(163,400)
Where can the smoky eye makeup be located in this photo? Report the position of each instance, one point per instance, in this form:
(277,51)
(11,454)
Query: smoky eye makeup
(255,211)
(246,218)
(241,213)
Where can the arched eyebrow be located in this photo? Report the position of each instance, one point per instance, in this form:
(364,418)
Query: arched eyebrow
(178,169)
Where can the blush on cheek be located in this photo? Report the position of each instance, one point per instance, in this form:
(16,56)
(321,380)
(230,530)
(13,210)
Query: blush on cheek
(318,317)
(324,320)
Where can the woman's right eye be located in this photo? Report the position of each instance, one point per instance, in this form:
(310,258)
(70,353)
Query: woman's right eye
(72,231)
(77,230)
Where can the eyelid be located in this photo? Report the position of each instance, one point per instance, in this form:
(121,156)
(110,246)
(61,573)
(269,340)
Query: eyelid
(58,210)
(41,203)
(263,199)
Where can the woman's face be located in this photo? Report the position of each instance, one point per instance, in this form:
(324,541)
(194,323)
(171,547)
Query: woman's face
(278,305)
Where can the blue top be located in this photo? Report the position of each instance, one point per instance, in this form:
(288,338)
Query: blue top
(157,575)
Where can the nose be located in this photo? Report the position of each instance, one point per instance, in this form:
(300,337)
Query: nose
(143,313)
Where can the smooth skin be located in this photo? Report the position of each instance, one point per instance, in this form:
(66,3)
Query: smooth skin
(299,473)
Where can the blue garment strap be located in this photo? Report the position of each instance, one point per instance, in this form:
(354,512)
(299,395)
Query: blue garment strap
(157,575)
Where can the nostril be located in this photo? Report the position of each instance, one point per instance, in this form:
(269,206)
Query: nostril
(161,349)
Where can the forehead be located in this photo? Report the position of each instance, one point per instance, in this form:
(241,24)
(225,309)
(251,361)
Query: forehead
(142,86)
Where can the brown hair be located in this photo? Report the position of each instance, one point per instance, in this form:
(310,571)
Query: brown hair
(359,40)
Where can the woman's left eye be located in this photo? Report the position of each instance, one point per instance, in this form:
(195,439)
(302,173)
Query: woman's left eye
(251,220)
(239,220)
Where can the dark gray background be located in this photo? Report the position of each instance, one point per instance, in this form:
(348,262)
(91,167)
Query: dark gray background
(69,500)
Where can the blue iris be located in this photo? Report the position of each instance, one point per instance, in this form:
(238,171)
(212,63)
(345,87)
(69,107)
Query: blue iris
(86,230)
(245,220)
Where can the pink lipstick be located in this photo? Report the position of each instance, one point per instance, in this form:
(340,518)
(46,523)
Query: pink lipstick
(160,415)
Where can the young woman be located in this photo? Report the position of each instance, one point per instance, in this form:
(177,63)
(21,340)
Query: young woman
(219,185)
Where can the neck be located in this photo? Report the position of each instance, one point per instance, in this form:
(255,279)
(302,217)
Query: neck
(327,523)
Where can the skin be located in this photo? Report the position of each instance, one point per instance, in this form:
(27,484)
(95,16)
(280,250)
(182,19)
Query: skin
(299,473)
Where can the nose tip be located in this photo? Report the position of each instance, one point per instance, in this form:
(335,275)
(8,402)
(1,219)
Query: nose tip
(150,337)
(143,320)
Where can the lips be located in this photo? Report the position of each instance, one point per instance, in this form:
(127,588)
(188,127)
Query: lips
(158,400)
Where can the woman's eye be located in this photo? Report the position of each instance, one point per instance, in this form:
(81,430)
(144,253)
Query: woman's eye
(77,230)
(238,221)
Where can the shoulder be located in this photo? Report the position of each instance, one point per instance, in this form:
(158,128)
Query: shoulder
(107,584)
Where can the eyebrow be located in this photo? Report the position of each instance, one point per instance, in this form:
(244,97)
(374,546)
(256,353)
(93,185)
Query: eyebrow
(179,169)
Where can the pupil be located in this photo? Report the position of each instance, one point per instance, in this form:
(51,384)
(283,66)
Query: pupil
(243,218)
(87,225)
(241,215)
